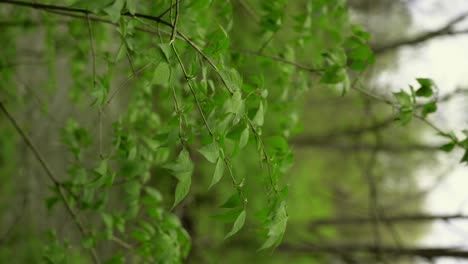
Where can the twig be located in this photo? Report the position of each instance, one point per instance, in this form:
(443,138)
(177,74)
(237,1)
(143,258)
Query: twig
(442,31)
(52,178)
(174,25)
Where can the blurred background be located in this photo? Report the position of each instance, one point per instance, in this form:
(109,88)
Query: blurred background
(358,178)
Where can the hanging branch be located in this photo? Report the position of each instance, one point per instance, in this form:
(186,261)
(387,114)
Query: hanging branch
(52,177)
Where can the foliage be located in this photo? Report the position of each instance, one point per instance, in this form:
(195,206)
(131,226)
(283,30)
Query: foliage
(184,108)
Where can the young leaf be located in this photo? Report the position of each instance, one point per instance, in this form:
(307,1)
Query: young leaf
(447,147)
(182,189)
(153,193)
(277,227)
(182,169)
(403,98)
(333,75)
(424,82)
(429,108)
(161,74)
(210,152)
(238,224)
(424,91)
(465,157)
(131,6)
(218,173)
(244,138)
(259,116)
(406,115)
(115,10)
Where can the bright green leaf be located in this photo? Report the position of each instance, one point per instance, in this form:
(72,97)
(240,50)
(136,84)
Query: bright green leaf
(448,147)
(182,189)
(465,157)
(277,227)
(259,116)
(424,82)
(218,173)
(131,6)
(115,10)
(244,138)
(238,224)
(406,115)
(403,98)
(429,108)
(210,152)
(424,91)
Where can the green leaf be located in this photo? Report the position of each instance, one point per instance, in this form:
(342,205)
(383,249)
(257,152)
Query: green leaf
(153,193)
(235,105)
(218,173)
(210,152)
(115,10)
(448,147)
(233,201)
(424,82)
(277,142)
(182,169)
(161,74)
(259,116)
(88,242)
(403,98)
(165,50)
(244,138)
(182,189)
(131,6)
(181,166)
(424,91)
(429,108)
(277,227)
(229,216)
(51,201)
(406,115)
(232,78)
(465,157)
(333,75)
(238,224)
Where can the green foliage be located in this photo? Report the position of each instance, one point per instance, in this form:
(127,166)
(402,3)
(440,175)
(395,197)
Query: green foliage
(163,88)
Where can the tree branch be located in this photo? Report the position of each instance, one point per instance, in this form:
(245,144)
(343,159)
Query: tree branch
(387,219)
(312,142)
(53,179)
(446,30)
(423,252)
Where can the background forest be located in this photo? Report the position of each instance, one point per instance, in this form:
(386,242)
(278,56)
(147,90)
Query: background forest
(177,131)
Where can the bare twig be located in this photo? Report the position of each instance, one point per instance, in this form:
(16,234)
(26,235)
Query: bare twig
(403,218)
(446,30)
(423,252)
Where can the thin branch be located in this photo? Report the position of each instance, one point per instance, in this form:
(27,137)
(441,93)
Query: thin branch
(423,252)
(446,30)
(403,218)
(192,90)
(311,142)
(279,59)
(200,110)
(174,25)
(51,176)
(131,77)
